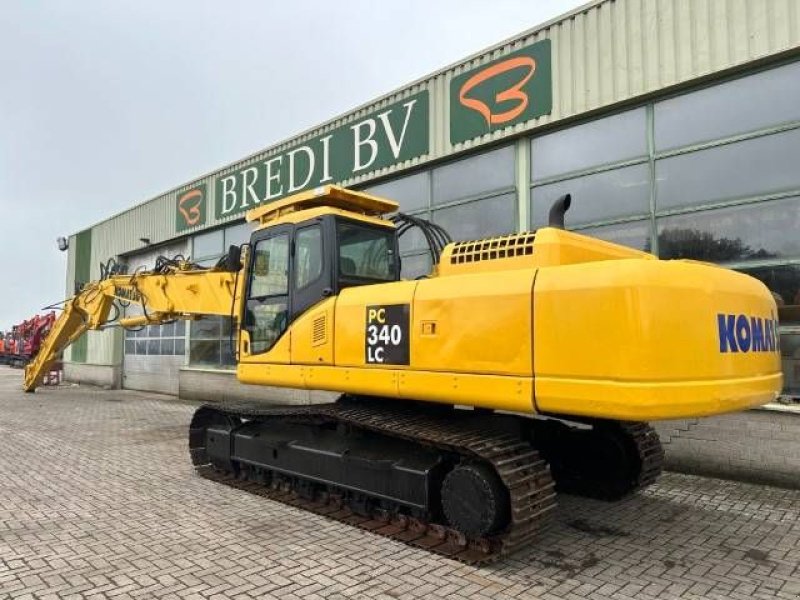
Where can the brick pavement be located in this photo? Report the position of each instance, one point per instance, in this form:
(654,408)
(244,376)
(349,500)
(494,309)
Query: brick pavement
(98,500)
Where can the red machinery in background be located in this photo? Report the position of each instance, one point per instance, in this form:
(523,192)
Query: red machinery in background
(21,344)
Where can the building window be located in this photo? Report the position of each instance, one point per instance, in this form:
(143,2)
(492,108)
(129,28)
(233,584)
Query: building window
(635,234)
(156,340)
(412,192)
(211,344)
(784,283)
(472,198)
(415,258)
(609,140)
(760,231)
(755,102)
(603,165)
(415,265)
(487,217)
(207,248)
(475,197)
(790,362)
(750,168)
(596,197)
(476,176)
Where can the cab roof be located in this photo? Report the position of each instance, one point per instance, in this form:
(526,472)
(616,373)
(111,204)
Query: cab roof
(328,196)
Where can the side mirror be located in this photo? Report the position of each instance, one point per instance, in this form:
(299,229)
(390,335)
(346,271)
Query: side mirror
(233,260)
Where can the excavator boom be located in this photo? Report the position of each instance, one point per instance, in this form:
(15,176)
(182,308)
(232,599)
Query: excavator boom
(185,292)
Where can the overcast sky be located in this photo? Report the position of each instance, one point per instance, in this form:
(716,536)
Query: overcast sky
(105,104)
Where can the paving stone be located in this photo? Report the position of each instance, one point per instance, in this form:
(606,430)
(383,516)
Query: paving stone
(99,500)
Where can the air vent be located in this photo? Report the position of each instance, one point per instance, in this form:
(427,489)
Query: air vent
(318,333)
(507,246)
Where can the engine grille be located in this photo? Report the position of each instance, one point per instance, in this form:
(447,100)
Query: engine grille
(508,246)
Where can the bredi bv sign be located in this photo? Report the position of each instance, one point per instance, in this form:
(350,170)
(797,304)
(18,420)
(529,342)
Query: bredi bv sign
(392,134)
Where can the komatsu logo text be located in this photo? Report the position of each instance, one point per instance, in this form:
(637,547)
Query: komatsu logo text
(128,294)
(744,333)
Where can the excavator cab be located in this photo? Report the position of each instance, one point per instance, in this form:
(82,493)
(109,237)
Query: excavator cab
(306,252)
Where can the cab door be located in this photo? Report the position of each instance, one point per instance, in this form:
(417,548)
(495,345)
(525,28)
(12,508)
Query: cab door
(267,300)
(313,299)
(312,278)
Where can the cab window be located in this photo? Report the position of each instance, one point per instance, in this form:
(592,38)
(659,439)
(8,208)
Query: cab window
(307,256)
(366,254)
(268,299)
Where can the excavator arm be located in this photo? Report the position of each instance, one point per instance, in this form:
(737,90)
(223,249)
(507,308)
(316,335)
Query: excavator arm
(182,292)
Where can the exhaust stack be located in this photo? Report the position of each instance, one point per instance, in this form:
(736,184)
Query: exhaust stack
(556,218)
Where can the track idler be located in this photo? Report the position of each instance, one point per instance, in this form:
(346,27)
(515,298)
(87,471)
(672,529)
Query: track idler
(474,500)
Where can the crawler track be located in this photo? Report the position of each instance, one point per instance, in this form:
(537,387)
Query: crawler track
(650,451)
(519,466)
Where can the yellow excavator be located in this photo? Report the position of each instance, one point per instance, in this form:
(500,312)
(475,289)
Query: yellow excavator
(519,366)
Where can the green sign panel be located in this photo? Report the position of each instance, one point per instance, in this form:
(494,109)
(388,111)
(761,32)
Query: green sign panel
(190,208)
(387,136)
(512,89)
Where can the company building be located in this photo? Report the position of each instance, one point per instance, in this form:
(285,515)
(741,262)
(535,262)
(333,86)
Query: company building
(675,125)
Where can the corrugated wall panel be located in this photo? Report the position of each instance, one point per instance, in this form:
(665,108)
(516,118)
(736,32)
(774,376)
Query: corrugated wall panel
(603,53)
(83,258)
(701,37)
(69,284)
(102,344)
(784,20)
(736,18)
(154,220)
